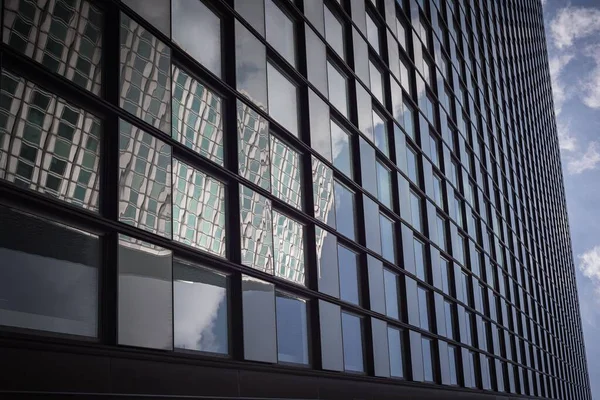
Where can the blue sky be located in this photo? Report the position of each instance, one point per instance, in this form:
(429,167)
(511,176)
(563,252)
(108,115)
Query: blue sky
(573,37)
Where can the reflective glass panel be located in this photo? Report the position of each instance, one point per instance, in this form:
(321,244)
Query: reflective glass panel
(280,31)
(380,133)
(198,209)
(327,262)
(340,149)
(259,319)
(47,145)
(419,249)
(285,173)
(145,75)
(376,81)
(338,89)
(323,195)
(320,133)
(253,13)
(384,184)
(396,356)
(449,312)
(254,161)
(197,116)
(144,180)
(437,191)
(373,33)
(415,208)
(409,120)
(388,238)
(292,331)
(49,283)
(197,30)
(65,36)
(441,232)
(316,60)
(145,294)
(334,32)
(390,281)
(353,343)
(157,12)
(452,362)
(349,275)
(424,308)
(250,66)
(288,240)
(256,228)
(283,98)
(200,309)
(345,210)
(427,359)
(413,166)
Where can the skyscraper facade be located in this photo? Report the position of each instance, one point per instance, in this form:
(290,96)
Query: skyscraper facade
(310,199)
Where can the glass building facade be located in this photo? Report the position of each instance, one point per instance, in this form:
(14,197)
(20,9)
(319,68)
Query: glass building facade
(284,198)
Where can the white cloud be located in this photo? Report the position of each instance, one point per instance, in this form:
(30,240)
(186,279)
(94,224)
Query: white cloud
(572,23)
(566,141)
(589,265)
(559,92)
(587,161)
(591,83)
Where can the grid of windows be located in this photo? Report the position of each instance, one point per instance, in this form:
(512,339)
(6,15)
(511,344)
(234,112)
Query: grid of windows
(400,193)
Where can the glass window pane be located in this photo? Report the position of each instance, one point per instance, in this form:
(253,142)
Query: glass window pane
(145,78)
(419,249)
(396,356)
(316,60)
(349,275)
(380,133)
(285,173)
(434,151)
(253,147)
(334,33)
(390,281)
(327,262)
(253,13)
(424,309)
(413,166)
(250,66)
(353,342)
(427,359)
(256,228)
(47,145)
(373,33)
(280,31)
(144,180)
(388,238)
(258,302)
(441,232)
(145,293)
(198,209)
(376,81)
(49,284)
(449,313)
(345,210)
(66,37)
(372,230)
(320,132)
(409,121)
(288,240)
(340,149)
(292,332)
(283,98)
(452,362)
(200,309)
(384,184)
(197,30)
(338,89)
(197,116)
(323,195)
(437,191)
(415,208)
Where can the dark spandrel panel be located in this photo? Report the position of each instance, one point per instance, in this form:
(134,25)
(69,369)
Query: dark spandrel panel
(256,230)
(254,157)
(285,173)
(197,116)
(200,309)
(352,342)
(250,66)
(323,192)
(198,209)
(345,210)
(253,12)
(197,30)
(144,180)
(349,275)
(51,284)
(260,330)
(320,132)
(48,145)
(341,150)
(157,12)
(292,329)
(64,36)
(330,323)
(145,293)
(288,245)
(283,99)
(145,75)
(281,32)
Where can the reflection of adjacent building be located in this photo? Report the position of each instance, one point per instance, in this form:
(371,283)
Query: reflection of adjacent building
(48,145)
